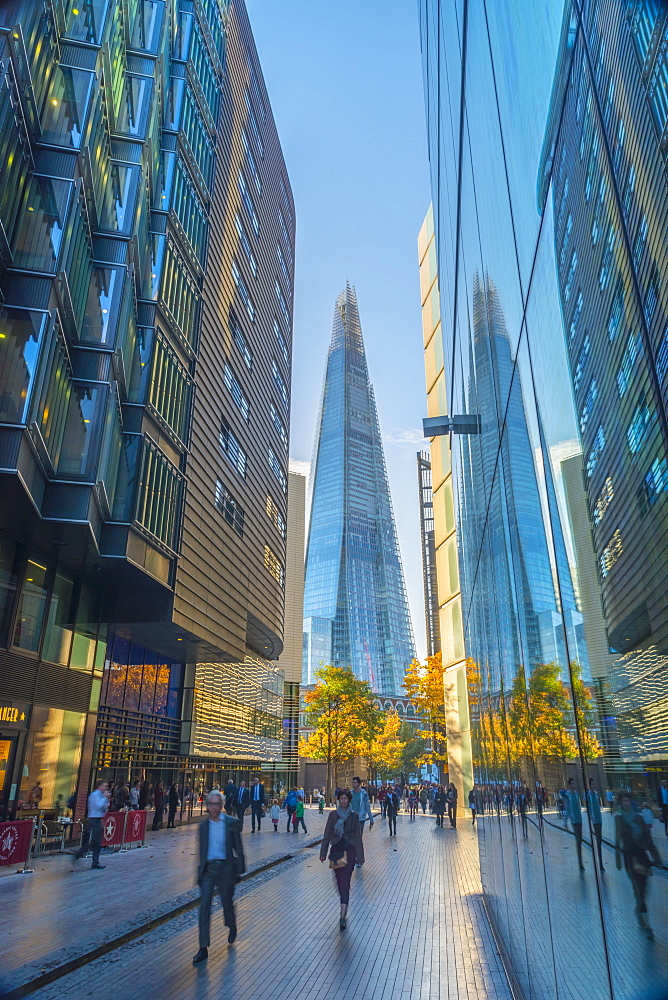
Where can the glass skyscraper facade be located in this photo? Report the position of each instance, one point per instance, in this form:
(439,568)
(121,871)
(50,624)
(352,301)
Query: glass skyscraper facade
(547,128)
(355,607)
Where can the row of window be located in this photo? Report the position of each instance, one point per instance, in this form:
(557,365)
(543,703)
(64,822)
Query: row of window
(239,459)
(234,515)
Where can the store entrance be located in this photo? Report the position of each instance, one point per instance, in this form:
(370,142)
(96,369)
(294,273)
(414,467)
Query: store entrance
(8,744)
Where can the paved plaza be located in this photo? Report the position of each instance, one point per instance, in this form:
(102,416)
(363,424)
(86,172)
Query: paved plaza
(417,928)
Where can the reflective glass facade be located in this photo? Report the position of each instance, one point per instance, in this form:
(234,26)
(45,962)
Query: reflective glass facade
(547,128)
(355,606)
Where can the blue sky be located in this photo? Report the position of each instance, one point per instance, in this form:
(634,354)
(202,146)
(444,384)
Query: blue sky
(345,84)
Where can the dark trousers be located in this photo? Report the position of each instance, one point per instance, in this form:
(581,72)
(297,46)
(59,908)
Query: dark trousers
(525,829)
(297,821)
(92,839)
(598,835)
(452,813)
(424,808)
(240,814)
(577,830)
(291,819)
(256,814)
(171,816)
(439,819)
(218,876)
(157,819)
(344,875)
(392,821)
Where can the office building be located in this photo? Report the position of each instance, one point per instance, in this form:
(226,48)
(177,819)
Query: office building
(553,315)
(426,501)
(355,606)
(147,241)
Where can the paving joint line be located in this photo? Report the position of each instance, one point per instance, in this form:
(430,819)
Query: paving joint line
(86,957)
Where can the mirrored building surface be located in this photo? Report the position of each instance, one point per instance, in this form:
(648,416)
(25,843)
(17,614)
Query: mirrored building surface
(547,128)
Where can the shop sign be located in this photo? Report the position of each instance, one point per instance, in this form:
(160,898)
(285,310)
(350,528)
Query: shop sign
(112,829)
(15,841)
(15,715)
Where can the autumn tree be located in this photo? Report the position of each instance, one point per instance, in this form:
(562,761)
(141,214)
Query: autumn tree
(423,684)
(385,749)
(585,714)
(413,749)
(341,712)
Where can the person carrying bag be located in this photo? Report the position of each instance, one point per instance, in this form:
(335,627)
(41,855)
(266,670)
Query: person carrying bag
(343,840)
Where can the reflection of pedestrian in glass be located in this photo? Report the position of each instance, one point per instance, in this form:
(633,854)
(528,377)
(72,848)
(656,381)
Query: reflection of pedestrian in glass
(573,812)
(595,818)
(634,841)
(522,803)
(610,799)
(472,804)
(663,802)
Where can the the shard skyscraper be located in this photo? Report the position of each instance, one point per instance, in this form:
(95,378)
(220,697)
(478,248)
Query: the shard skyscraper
(355,606)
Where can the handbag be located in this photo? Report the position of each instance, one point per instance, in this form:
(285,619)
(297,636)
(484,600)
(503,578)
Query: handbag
(339,862)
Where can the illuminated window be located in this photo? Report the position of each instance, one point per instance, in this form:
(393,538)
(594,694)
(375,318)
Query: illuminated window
(273,564)
(603,500)
(275,516)
(611,553)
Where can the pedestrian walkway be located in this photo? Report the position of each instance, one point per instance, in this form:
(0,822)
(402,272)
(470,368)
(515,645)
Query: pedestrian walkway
(66,909)
(417,930)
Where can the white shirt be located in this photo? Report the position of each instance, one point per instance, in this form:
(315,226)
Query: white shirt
(217,847)
(98,804)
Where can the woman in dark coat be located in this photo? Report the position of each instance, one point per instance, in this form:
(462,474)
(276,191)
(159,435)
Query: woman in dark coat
(173,803)
(342,836)
(451,796)
(439,804)
(158,805)
(633,842)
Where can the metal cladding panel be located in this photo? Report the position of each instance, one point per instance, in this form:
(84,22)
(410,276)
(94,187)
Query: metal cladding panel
(223,584)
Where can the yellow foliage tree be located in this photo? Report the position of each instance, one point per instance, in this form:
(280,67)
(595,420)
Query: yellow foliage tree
(385,751)
(423,684)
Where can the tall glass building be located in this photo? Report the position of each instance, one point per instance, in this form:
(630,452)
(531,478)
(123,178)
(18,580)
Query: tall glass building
(547,130)
(355,607)
(146,243)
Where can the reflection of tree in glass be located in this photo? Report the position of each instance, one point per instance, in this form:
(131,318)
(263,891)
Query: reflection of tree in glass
(423,684)
(542,722)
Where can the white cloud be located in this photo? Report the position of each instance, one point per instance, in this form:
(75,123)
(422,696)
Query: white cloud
(301,468)
(403,435)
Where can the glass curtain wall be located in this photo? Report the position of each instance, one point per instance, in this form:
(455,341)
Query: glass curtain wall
(547,130)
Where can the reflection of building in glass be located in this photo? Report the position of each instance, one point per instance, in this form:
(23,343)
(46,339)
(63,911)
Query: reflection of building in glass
(610,206)
(426,500)
(516,616)
(355,606)
(145,201)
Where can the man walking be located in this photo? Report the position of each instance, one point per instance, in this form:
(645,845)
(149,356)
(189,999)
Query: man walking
(230,798)
(573,812)
(392,803)
(98,804)
(243,801)
(221,865)
(594,810)
(361,806)
(256,804)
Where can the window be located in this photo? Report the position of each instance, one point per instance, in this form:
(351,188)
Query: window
(243,290)
(606,261)
(237,393)
(581,363)
(564,242)
(603,500)
(641,422)
(662,356)
(575,322)
(232,448)
(595,451)
(248,203)
(640,240)
(284,266)
(279,426)
(630,188)
(32,606)
(588,406)
(659,89)
(281,341)
(252,165)
(571,275)
(158,507)
(282,304)
(655,482)
(286,235)
(277,469)
(240,340)
(286,199)
(562,204)
(643,23)
(619,144)
(592,166)
(255,128)
(275,516)
(229,508)
(652,295)
(611,553)
(245,243)
(273,564)
(631,354)
(279,382)
(617,310)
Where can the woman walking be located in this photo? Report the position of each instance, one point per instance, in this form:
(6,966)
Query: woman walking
(633,841)
(452,805)
(173,803)
(158,805)
(439,804)
(412,803)
(342,837)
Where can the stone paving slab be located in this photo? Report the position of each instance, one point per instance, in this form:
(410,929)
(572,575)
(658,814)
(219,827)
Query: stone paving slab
(66,910)
(417,929)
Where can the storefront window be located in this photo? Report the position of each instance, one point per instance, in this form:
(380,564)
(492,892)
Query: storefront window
(58,637)
(32,605)
(21,333)
(51,763)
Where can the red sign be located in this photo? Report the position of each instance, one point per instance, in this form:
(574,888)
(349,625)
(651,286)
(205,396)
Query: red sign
(135,826)
(15,841)
(112,829)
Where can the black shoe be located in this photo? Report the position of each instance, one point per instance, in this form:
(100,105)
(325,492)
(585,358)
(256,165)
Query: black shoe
(232,936)
(201,956)
(342,924)
(98,866)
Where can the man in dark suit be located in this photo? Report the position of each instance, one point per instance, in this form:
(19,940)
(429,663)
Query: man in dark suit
(230,798)
(221,865)
(256,803)
(242,802)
